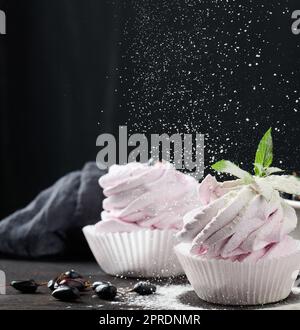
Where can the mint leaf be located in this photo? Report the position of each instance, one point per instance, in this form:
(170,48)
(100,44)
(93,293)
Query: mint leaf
(258,169)
(272,170)
(225,166)
(264,153)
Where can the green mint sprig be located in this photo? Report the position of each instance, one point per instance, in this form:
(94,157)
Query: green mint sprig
(264,154)
(225,166)
(262,163)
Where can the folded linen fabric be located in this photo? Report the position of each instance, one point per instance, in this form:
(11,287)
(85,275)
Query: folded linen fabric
(51,224)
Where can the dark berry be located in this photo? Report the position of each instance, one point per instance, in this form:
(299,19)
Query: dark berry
(106,291)
(97,283)
(72,274)
(74,283)
(144,288)
(29,286)
(66,293)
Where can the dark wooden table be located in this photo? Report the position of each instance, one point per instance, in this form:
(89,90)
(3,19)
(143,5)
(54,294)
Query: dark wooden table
(171,294)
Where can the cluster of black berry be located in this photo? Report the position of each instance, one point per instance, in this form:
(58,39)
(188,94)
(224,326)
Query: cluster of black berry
(69,285)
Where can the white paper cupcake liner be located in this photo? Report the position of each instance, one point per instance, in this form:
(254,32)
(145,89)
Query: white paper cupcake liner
(239,283)
(143,253)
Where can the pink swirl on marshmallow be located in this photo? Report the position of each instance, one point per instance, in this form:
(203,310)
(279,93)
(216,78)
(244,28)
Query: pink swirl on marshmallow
(140,196)
(238,223)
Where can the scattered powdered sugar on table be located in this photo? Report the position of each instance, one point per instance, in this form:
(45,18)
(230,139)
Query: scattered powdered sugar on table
(183,297)
(166,297)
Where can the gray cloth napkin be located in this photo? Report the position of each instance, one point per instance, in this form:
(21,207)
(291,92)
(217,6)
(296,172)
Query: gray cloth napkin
(51,224)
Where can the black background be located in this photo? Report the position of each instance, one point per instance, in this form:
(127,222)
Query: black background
(72,69)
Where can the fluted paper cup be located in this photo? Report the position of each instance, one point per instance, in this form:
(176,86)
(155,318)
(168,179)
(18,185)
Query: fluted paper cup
(239,283)
(143,253)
